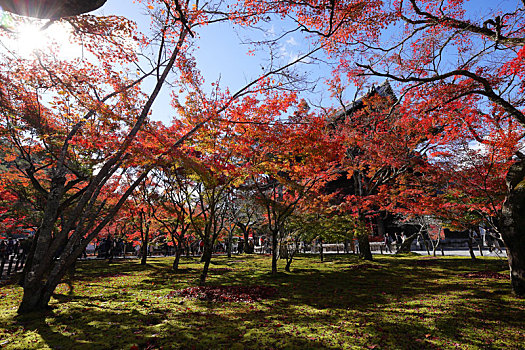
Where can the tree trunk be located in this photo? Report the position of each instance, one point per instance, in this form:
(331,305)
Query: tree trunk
(275,253)
(247,248)
(479,240)
(44,275)
(206,257)
(513,226)
(144,258)
(229,246)
(364,247)
(426,246)
(34,299)
(288,263)
(38,290)
(178,252)
(471,247)
(321,250)
(290,256)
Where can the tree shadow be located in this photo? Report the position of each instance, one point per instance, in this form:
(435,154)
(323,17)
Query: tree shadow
(102,328)
(359,302)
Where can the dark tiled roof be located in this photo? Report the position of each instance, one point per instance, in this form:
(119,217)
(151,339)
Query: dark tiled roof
(384,90)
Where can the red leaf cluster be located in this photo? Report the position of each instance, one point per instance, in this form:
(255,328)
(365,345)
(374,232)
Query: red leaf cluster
(242,294)
(364,267)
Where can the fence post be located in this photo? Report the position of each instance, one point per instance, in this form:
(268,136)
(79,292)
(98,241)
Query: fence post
(17,257)
(20,261)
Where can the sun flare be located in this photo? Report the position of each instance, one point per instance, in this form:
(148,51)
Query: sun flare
(34,37)
(31,39)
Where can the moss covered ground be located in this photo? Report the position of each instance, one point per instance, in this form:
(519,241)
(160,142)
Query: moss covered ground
(408,302)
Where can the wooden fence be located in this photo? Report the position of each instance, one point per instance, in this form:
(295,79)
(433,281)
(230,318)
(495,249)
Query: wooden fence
(10,264)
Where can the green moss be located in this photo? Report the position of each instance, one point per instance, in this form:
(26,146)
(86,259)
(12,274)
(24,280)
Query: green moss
(344,303)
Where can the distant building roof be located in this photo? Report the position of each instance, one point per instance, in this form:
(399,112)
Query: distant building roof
(384,90)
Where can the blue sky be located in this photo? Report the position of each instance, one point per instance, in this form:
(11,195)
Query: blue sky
(222,55)
(220,52)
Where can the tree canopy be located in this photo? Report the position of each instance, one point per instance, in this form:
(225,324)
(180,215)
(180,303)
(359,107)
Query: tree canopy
(79,146)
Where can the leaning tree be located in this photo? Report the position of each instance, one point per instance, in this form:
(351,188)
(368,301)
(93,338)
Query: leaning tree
(82,117)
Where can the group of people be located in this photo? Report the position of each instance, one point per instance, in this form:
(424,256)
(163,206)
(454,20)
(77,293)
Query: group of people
(13,246)
(398,239)
(110,247)
(197,247)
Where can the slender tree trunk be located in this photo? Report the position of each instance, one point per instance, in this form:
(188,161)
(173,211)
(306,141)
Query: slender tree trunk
(178,252)
(288,264)
(426,246)
(364,247)
(478,239)
(275,253)
(247,248)
(291,256)
(471,247)
(513,226)
(206,255)
(229,246)
(321,250)
(144,258)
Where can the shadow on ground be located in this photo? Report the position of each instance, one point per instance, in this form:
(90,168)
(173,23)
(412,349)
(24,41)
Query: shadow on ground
(391,303)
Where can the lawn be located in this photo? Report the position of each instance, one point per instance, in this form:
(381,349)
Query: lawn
(405,302)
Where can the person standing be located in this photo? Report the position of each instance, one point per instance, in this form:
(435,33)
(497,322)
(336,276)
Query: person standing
(388,243)
(3,250)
